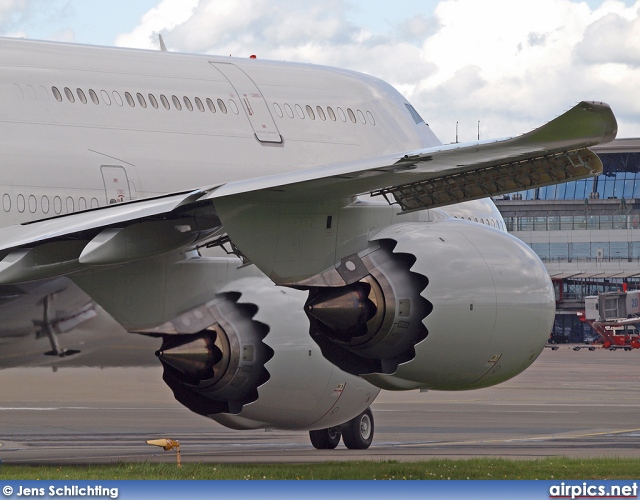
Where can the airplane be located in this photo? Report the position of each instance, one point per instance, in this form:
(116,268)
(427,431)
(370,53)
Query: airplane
(294,236)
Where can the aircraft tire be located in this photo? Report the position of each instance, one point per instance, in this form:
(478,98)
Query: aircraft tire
(325,439)
(357,433)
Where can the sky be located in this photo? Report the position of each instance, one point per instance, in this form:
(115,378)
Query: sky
(511,65)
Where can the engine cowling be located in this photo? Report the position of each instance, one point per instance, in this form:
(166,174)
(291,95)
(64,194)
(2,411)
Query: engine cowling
(447,305)
(254,366)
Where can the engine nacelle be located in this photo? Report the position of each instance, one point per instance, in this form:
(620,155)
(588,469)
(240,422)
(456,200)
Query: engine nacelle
(445,305)
(255,366)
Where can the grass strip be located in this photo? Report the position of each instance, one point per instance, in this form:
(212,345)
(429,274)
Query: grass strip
(482,468)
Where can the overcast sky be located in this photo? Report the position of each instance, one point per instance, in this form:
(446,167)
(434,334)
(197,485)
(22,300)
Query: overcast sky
(510,64)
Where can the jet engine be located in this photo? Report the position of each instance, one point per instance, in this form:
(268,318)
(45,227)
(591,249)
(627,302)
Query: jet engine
(444,305)
(245,360)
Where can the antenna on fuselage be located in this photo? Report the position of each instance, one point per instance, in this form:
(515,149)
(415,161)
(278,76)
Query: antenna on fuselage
(163,47)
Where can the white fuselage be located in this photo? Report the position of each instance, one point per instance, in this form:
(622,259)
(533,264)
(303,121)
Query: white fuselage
(118,141)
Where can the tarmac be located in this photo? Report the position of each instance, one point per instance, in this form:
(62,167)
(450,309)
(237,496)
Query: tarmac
(568,403)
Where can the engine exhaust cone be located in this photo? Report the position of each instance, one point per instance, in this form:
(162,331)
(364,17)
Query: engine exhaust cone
(342,309)
(192,357)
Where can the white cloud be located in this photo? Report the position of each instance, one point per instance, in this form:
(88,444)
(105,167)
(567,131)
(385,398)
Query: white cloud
(512,65)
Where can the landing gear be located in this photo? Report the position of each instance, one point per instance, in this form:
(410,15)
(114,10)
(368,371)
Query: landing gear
(325,439)
(357,434)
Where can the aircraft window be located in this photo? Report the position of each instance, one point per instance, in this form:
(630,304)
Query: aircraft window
(310,112)
(370,118)
(18,91)
(222,106)
(6,202)
(153,101)
(187,103)
(70,207)
(81,96)
(414,114)
(233,106)
(352,116)
(44,202)
(481,221)
(82,204)
(94,203)
(117,98)
(361,116)
(165,101)
(129,99)
(176,102)
(199,104)
(94,96)
(320,113)
(69,94)
(289,111)
(43,93)
(212,107)
(57,205)
(475,219)
(341,114)
(278,109)
(332,115)
(299,111)
(21,203)
(31,92)
(56,94)
(33,204)
(106,99)
(141,100)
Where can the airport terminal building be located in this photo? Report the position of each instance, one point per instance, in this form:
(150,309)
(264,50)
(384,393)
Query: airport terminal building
(586,232)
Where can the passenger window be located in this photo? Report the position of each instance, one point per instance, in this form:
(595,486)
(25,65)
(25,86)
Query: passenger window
(199,104)
(222,106)
(320,113)
(141,100)
(352,116)
(341,114)
(233,106)
(176,102)
(94,96)
(278,109)
(299,111)
(56,94)
(332,115)
(361,117)
(117,98)
(370,118)
(310,112)
(105,98)
(289,111)
(69,94)
(187,103)
(129,99)
(211,106)
(165,101)
(153,101)
(81,96)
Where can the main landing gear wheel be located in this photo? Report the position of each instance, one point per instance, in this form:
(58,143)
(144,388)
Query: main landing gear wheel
(357,433)
(325,439)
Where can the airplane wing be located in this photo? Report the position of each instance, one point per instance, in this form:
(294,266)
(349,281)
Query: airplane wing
(443,175)
(438,176)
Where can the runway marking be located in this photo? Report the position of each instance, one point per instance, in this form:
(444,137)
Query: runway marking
(535,438)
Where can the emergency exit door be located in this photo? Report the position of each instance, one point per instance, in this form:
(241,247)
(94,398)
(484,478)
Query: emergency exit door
(116,184)
(253,103)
